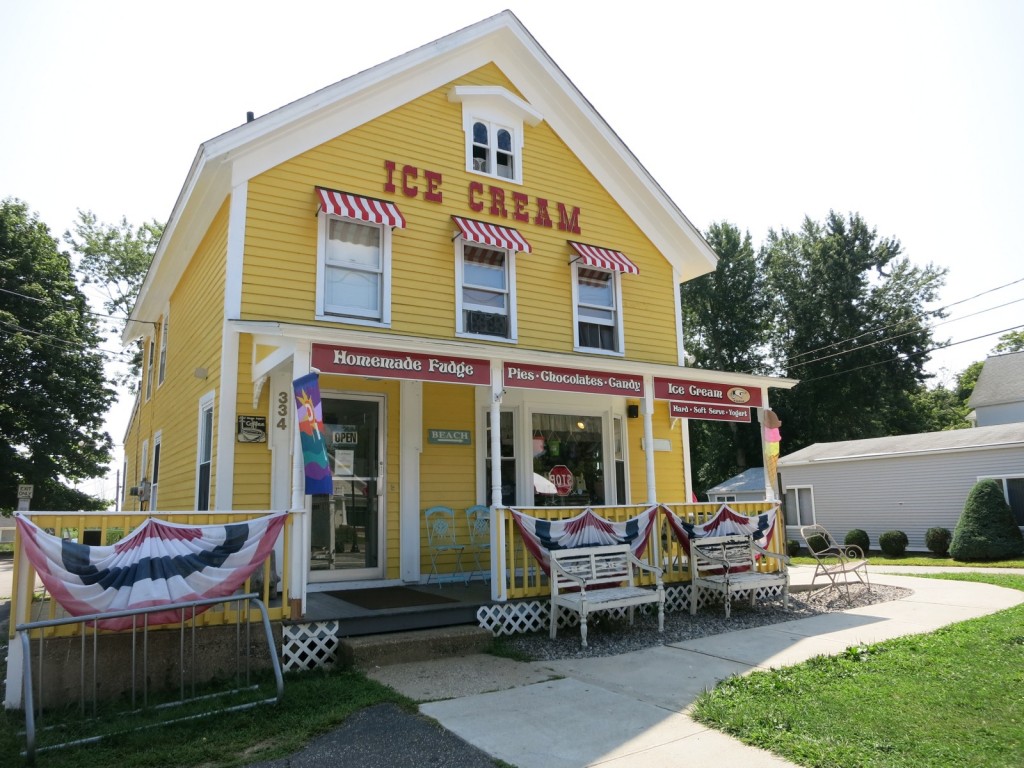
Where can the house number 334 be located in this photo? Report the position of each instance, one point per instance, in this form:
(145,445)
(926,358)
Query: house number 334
(282,410)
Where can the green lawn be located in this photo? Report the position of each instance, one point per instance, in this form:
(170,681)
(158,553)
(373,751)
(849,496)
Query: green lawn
(876,558)
(954,697)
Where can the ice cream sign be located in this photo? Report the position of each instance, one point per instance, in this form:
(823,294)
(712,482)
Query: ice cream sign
(685,390)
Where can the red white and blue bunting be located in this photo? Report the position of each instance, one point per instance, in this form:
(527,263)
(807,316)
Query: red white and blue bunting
(587,529)
(726,522)
(159,563)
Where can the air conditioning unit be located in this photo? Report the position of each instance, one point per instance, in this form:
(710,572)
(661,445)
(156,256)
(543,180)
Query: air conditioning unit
(486,324)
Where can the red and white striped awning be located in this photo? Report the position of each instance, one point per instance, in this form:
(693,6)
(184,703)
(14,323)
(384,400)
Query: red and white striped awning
(360,208)
(604,258)
(491,234)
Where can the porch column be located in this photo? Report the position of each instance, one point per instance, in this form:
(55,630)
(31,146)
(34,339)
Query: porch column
(684,435)
(300,505)
(648,405)
(499,590)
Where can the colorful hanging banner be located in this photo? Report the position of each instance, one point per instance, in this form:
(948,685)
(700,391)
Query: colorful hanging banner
(309,418)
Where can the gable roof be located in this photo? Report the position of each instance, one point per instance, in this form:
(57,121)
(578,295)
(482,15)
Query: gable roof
(232,158)
(998,436)
(1001,381)
(748,481)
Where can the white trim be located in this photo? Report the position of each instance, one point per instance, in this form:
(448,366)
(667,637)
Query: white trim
(233,269)
(154,477)
(228,408)
(385,274)
(498,109)
(150,383)
(264,367)
(616,279)
(677,304)
(411,439)
(796,495)
(206,403)
(161,370)
(888,455)
(510,294)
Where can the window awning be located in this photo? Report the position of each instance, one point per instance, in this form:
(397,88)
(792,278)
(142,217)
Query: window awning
(360,208)
(492,234)
(604,258)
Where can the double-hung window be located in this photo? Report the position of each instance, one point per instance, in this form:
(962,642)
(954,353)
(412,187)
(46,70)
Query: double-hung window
(494,121)
(354,258)
(485,293)
(162,372)
(204,453)
(493,150)
(598,320)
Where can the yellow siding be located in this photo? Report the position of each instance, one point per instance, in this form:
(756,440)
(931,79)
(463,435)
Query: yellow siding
(668,465)
(193,342)
(252,460)
(281,229)
(448,472)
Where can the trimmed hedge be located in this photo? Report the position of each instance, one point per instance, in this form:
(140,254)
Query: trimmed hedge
(986,529)
(858,538)
(893,543)
(792,547)
(937,540)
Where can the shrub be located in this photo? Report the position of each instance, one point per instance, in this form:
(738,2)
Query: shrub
(792,547)
(893,543)
(937,540)
(986,529)
(817,543)
(858,538)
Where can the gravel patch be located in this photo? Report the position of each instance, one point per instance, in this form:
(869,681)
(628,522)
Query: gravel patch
(608,636)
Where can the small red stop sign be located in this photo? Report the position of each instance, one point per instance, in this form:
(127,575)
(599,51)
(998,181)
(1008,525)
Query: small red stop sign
(562,478)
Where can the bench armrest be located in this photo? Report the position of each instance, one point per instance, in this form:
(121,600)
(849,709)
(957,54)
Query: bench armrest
(658,572)
(762,551)
(556,566)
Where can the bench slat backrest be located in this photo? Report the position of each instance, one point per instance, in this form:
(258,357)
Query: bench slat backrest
(735,550)
(597,565)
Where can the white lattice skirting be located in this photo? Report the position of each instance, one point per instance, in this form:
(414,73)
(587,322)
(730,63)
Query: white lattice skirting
(309,646)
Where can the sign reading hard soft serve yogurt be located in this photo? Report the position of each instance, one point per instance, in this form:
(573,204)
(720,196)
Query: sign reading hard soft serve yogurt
(709,412)
(706,392)
(572,380)
(389,364)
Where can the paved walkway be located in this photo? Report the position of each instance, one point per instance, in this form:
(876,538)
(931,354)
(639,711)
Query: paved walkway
(631,710)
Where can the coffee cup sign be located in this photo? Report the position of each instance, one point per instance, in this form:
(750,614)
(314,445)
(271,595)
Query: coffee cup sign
(562,478)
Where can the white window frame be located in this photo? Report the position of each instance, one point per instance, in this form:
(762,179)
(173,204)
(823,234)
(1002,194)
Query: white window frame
(616,278)
(490,166)
(1001,479)
(325,313)
(150,354)
(162,368)
(497,108)
(796,495)
(510,285)
(154,474)
(206,405)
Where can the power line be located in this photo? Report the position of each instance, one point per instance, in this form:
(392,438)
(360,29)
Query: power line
(86,311)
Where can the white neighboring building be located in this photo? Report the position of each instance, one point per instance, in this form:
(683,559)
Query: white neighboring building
(998,396)
(908,482)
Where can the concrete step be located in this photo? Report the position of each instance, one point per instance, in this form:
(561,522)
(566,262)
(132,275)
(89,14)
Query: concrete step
(369,651)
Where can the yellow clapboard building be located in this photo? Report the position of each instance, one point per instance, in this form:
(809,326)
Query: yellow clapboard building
(453,240)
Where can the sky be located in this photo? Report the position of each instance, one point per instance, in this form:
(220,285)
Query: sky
(909,113)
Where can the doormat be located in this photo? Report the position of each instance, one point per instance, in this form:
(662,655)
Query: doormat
(390,597)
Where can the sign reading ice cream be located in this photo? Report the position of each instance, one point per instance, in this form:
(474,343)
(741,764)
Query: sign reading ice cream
(685,390)
(389,364)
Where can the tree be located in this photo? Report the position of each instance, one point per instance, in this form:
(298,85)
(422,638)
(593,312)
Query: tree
(726,328)
(114,258)
(53,395)
(849,321)
(1010,342)
(986,529)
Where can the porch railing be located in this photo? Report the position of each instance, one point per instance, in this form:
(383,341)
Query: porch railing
(517,574)
(29,604)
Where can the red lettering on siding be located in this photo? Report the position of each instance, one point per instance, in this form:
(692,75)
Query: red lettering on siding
(542,218)
(389,185)
(433,193)
(567,222)
(498,202)
(520,201)
(409,172)
(475,188)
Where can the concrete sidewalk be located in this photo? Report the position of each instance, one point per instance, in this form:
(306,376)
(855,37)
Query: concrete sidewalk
(631,710)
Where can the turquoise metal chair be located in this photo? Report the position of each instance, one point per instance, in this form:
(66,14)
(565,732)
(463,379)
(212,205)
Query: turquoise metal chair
(479,519)
(442,540)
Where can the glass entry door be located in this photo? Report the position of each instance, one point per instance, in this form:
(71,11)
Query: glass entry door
(347,534)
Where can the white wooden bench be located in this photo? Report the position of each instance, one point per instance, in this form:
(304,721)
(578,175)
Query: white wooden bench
(728,564)
(590,579)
